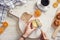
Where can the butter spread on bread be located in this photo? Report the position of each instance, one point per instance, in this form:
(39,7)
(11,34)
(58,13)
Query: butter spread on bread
(34,24)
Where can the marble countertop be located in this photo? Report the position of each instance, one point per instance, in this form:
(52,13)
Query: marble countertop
(10,32)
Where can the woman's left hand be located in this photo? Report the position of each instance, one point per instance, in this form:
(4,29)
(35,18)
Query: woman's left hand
(43,36)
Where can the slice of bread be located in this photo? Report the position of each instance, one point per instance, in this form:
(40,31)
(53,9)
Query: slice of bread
(34,24)
(38,22)
(25,16)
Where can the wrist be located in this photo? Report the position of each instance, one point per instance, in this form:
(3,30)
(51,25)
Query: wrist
(22,37)
(25,35)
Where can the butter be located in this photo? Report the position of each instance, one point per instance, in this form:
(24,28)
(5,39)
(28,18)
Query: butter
(34,24)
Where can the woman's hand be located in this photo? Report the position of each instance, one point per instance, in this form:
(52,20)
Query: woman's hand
(29,29)
(43,36)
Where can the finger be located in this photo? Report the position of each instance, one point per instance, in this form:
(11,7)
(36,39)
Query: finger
(45,38)
(31,26)
(44,35)
(41,32)
(34,29)
(29,23)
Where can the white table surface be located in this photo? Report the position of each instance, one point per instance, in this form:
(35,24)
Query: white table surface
(11,33)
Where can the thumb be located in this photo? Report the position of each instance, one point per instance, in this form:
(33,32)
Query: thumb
(34,29)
